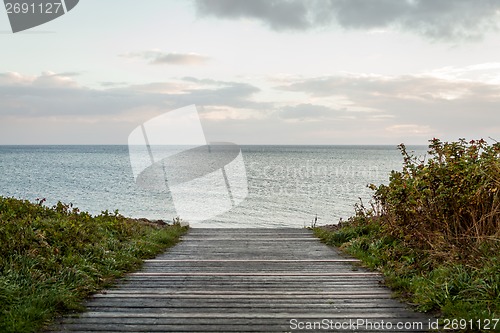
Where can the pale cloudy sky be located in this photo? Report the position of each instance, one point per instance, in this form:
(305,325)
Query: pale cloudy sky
(264,71)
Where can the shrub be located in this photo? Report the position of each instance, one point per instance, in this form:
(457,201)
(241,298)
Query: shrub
(434,231)
(449,202)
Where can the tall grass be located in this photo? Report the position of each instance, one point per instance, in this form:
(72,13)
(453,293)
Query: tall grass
(52,258)
(434,230)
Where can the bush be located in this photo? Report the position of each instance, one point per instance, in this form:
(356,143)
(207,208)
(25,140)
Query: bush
(449,202)
(434,230)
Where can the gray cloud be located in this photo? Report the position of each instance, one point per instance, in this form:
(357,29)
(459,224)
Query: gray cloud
(50,108)
(278,14)
(435,19)
(112,83)
(162,58)
(409,87)
(348,109)
(53,94)
(455,107)
(309,112)
(211,82)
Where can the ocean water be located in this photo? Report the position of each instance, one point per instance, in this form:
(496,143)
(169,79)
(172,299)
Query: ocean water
(287,185)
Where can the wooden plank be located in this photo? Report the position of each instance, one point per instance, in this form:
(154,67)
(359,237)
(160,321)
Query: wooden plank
(237,280)
(252,274)
(208,293)
(256,315)
(240,239)
(254,260)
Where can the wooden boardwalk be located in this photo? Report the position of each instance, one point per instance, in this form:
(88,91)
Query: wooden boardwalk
(247,280)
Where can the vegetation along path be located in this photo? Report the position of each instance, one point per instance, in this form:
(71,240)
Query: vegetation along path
(247,280)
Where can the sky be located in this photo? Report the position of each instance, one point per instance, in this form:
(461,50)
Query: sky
(260,71)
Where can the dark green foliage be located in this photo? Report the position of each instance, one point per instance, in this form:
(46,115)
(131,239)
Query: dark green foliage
(434,230)
(451,201)
(52,258)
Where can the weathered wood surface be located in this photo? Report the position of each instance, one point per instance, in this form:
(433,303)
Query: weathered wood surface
(246,280)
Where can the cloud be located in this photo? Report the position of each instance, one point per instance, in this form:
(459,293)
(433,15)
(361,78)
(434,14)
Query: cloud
(52,94)
(373,88)
(485,72)
(32,108)
(277,14)
(434,19)
(411,104)
(309,112)
(14,79)
(112,83)
(410,128)
(350,108)
(155,57)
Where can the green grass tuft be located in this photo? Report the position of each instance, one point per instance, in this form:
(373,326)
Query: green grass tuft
(53,258)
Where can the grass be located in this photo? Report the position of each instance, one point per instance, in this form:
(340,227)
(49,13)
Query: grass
(51,259)
(434,232)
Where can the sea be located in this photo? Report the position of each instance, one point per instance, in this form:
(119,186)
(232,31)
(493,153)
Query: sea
(288,186)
